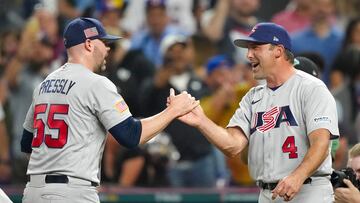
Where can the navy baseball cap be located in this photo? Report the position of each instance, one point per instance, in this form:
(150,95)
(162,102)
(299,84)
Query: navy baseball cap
(266,33)
(218,61)
(80,29)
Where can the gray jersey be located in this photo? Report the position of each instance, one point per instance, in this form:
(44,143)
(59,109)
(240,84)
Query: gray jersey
(277,124)
(71,111)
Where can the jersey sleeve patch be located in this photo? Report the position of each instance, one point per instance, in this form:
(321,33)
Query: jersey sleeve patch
(121,105)
(322,119)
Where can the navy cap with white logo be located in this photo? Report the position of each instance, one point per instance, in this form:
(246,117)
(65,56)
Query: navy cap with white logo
(80,29)
(266,33)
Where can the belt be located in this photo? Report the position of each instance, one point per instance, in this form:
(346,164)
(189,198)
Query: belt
(62,179)
(272,186)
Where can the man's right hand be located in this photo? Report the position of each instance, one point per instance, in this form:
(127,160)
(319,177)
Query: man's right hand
(193,118)
(181,103)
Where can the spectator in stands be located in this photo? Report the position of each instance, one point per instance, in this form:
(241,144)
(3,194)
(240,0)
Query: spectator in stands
(295,17)
(5,160)
(127,69)
(9,42)
(10,15)
(321,36)
(347,61)
(158,26)
(203,46)
(180,13)
(199,7)
(225,94)
(350,194)
(125,167)
(347,10)
(70,9)
(230,20)
(345,73)
(195,167)
(111,13)
(23,73)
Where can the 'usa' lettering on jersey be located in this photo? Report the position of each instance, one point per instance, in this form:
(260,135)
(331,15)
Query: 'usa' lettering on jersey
(272,118)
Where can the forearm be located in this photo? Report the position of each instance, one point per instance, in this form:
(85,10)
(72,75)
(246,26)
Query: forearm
(317,153)
(214,29)
(131,170)
(4,143)
(230,141)
(151,126)
(12,71)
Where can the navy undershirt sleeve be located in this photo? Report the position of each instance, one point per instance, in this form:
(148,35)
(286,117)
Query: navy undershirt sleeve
(128,132)
(26,141)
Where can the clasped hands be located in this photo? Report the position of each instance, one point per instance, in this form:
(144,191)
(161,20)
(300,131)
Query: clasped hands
(187,108)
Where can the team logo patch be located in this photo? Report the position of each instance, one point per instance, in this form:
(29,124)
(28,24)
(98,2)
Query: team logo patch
(121,105)
(91,32)
(322,119)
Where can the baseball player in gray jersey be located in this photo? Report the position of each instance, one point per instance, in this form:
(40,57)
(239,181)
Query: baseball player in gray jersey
(4,198)
(72,110)
(287,123)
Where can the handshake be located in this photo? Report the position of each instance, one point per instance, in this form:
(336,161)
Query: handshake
(185,107)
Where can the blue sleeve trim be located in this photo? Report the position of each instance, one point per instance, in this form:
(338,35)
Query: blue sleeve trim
(26,141)
(128,132)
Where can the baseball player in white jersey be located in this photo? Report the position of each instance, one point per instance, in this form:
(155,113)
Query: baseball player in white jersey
(288,123)
(72,110)
(4,198)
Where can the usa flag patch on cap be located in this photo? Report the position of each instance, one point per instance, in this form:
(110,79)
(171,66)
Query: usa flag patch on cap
(121,105)
(91,32)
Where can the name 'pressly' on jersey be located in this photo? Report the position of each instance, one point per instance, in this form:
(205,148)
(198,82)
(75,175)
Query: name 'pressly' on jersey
(61,86)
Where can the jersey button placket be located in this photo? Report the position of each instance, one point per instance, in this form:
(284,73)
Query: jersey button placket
(267,155)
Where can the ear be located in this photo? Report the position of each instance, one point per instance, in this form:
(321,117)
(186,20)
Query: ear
(279,51)
(89,46)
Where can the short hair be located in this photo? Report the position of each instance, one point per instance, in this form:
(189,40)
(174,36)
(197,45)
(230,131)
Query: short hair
(354,151)
(289,56)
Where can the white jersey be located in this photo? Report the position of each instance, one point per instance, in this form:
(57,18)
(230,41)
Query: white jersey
(277,124)
(4,198)
(71,111)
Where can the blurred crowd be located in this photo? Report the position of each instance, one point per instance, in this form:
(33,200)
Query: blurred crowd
(182,44)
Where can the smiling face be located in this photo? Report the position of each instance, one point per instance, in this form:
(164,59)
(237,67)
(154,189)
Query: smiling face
(262,59)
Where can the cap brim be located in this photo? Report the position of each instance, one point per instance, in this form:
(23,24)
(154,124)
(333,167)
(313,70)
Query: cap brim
(111,37)
(244,42)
